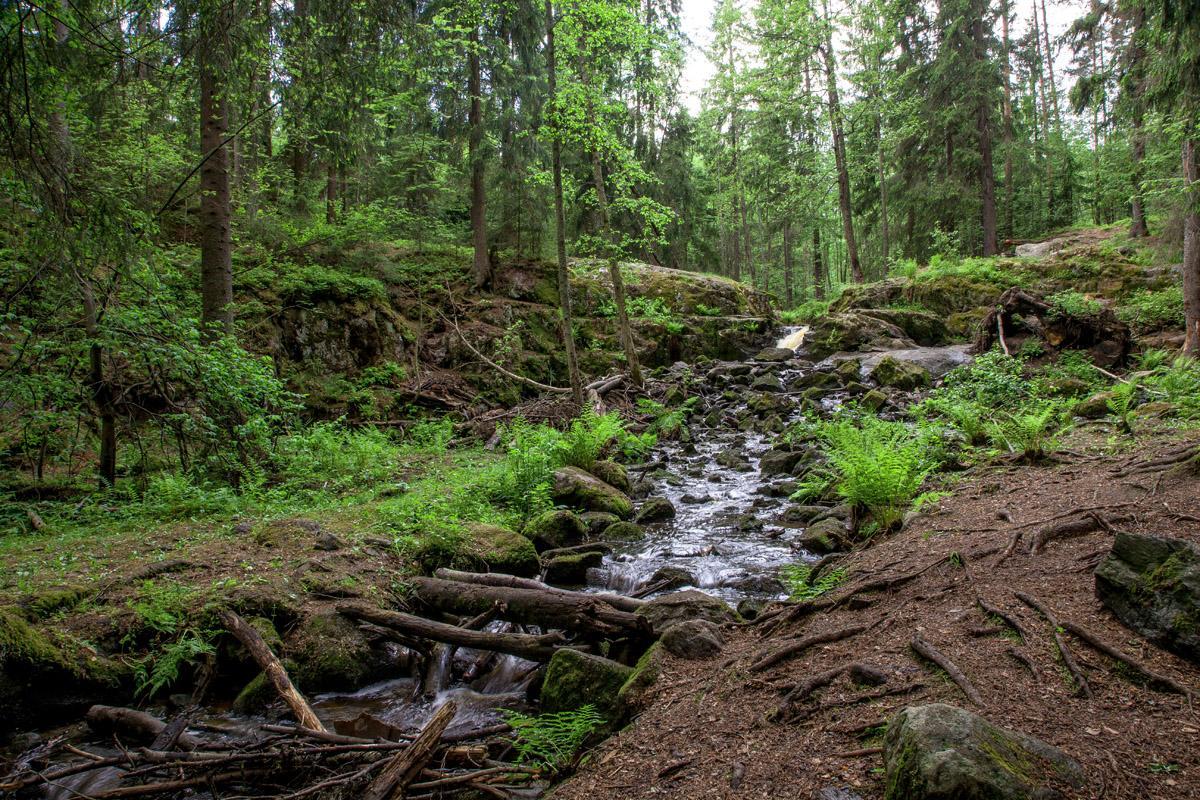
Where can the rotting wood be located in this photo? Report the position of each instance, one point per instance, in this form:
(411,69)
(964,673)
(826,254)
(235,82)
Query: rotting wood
(522,645)
(271,665)
(137,723)
(406,765)
(931,653)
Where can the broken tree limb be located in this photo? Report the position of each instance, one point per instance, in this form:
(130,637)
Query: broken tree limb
(522,645)
(1067,657)
(619,602)
(270,664)
(406,765)
(550,608)
(797,647)
(135,723)
(931,653)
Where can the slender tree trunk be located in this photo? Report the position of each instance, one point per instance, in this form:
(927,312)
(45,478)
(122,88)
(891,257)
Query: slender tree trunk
(987,177)
(1041,82)
(1191,244)
(331,192)
(1137,69)
(481,267)
(216,242)
(788,264)
(99,387)
(1006,75)
(818,265)
(1050,70)
(839,157)
(884,233)
(560,225)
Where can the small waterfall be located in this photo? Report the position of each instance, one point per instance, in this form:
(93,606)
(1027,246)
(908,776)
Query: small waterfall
(793,337)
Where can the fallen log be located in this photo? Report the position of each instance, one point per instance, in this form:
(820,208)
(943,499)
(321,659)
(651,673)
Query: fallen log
(278,676)
(549,608)
(522,645)
(134,723)
(497,579)
(406,765)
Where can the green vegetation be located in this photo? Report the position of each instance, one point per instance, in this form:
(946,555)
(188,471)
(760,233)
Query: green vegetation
(797,579)
(880,466)
(1074,304)
(551,741)
(1149,310)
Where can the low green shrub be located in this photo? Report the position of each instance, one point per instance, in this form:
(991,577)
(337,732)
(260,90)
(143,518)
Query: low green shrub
(806,313)
(1149,310)
(880,465)
(1074,304)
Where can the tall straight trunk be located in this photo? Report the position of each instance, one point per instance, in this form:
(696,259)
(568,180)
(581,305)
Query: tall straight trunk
(1041,82)
(884,232)
(788,264)
(839,156)
(1007,121)
(818,266)
(1050,70)
(560,225)
(983,121)
(1191,243)
(331,192)
(481,268)
(101,390)
(1136,68)
(216,241)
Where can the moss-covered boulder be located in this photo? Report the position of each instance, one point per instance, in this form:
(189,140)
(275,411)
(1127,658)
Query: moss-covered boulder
(331,654)
(694,640)
(899,374)
(637,692)
(1152,584)
(1094,407)
(570,569)
(552,529)
(853,331)
(824,537)
(624,532)
(490,548)
(873,400)
(574,487)
(939,752)
(255,696)
(612,473)
(663,612)
(575,679)
(655,509)
(597,521)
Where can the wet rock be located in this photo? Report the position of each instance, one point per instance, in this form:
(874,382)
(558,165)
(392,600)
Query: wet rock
(612,473)
(1094,407)
(899,374)
(849,370)
(785,488)
(644,487)
(573,486)
(554,529)
(570,569)
(1152,584)
(842,512)
(765,404)
(757,584)
(255,696)
(327,542)
(802,513)
(696,499)
(745,523)
(824,537)
(694,640)
(330,653)
(597,521)
(663,612)
(853,331)
(817,380)
(575,679)
(767,383)
(671,578)
(727,368)
(775,354)
(856,389)
(655,509)
(732,459)
(624,532)
(873,400)
(939,752)
(750,607)
(779,462)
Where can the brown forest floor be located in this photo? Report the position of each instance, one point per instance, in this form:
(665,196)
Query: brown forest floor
(707,735)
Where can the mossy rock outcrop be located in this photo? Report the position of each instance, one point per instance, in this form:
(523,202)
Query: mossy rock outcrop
(1152,584)
(899,374)
(853,331)
(331,654)
(575,679)
(923,327)
(939,752)
(637,693)
(497,549)
(554,529)
(574,487)
(612,473)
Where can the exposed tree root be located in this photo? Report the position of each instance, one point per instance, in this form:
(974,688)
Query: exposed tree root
(931,653)
(1155,678)
(1188,453)
(1068,659)
(1027,662)
(794,649)
(1085,524)
(1001,614)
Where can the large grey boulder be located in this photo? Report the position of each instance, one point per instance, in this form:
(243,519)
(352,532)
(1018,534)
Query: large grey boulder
(937,361)
(940,752)
(693,640)
(663,612)
(1152,584)
(905,375)
(573,486)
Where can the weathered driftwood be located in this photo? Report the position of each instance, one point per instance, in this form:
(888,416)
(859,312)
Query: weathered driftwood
(522,645)
(278,676)
(619,602)
(134,723)
(407,764)
(549,608)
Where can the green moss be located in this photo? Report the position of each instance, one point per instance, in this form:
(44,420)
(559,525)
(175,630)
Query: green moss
(255,696)
(22,642)
(574,679)
(48,602)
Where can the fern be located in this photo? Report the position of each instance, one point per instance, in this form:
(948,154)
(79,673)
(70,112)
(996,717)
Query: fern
(1122,404)
(1032,434)
(550,741)
(588,436)
(880,466)
(160,670)
(797,579)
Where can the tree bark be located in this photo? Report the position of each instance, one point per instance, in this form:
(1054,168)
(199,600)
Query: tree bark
(839,155)
(406,765)
(1006,112)
(481,267)
(216,239)
(788,265)
(577,612)
(883,194)
(566,323)
(818,266)
(521,645)
(1191,244)
(1136,54)
(987,178)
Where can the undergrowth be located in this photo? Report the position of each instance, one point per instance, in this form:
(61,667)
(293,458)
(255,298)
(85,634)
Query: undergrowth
(551,741)
(797,579)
